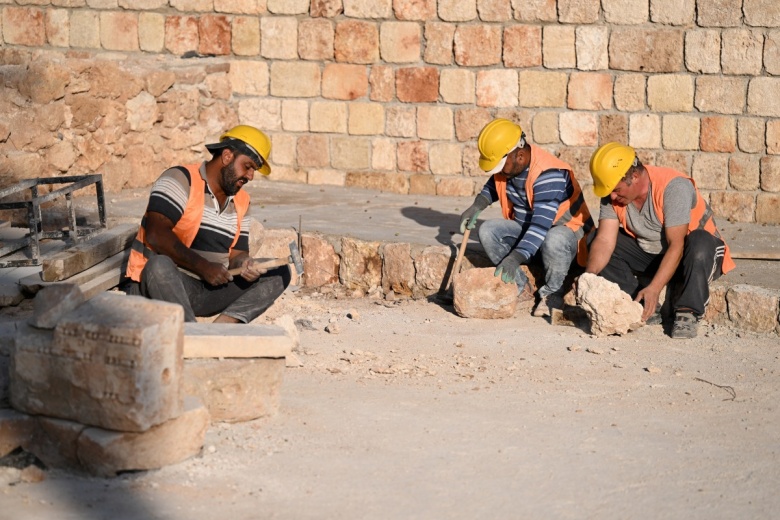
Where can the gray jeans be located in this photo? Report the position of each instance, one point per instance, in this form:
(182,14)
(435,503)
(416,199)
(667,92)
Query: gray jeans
(499,237)
(239,299)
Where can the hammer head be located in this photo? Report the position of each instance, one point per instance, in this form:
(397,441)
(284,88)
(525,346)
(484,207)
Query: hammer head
(295,258)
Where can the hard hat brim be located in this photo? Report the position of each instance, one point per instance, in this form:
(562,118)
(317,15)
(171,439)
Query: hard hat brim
(265,169)
(498,167)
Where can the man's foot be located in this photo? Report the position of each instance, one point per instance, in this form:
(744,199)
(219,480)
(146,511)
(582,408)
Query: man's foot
(526,298)
(685,325)
(655,319)
(547,304)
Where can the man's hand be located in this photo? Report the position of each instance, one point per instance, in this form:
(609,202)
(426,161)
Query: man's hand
(507,268)
(250,272)
(214,273)
(649,298)
(469,217)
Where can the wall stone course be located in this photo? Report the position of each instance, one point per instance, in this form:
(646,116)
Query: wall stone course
(742,51)
(344,81)
(421,184)
(750,134)
(710,171)
(420,10)
(718,134)
(316,39)
(477,45)
(328,177)
(768,208)
(590,91)
(389,182)
(313,151)
(522,46)
(366,118)
(215,35)
(417,84)
(192,5)
(400,42)
(534,10)
(262,113)
(542,89)
(722,95)
(762,96)
(295,79)
(613,128)
(773,137)
(753,308)
(457,86)
(626,12)
(283,149)
(579,128)
(469,122)
(401,121)
(577,11)
(457,10)
(719,13)
(356,41)
(644,131)
(734,206)
(413,156)
(382,82)
(57,23)
(770,174)
(236,6)
(326,8)
(646,50)
(670,93)
(744,172)
(181,34)
(295,115)
(497,88)
(494,10)
(288,6)
(438,43)
(445,159)
(363,9)
(435,122)
(328,116)
(681,132)
(24,26)
(702,51)
(630,92)
(545,128)
(151,32)
(558,47)
(676,160)
(290,174)
(772,52)
(761,13)
(592,47)
(383,152)
(450,186)
(279,37)
(350,153)
(673,12)
(245,36)
(249,78)
(84,29)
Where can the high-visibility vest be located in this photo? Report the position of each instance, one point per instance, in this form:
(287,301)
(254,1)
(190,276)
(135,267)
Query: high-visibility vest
(187,227)
(572,213)
(701,215)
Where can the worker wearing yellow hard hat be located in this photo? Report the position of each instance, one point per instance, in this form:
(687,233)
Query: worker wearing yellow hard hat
(545,217)
(653,221)
(196,231)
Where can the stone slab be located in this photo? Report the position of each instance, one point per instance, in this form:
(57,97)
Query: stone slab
(477,293)
(15,430)
(55,443)
(236,340)
(53,303)
(33,283)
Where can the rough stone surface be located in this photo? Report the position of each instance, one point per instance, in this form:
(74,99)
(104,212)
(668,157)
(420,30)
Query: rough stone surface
(478,294)
(646,50)
(361,265)
(398,269)
(320,262)
(53,302)
(15,429)
(55,443)
(610,310)
(431,265)
(753,308)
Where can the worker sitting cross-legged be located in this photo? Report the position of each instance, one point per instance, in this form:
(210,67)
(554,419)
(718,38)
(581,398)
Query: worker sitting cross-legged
(545,218)
(653,221)
(196,229)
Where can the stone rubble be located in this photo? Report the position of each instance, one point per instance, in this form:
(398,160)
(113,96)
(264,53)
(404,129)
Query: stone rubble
(611,311)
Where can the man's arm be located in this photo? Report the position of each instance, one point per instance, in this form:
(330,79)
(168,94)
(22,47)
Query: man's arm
(675,237)
(603,245)
(161,238)
(242,259)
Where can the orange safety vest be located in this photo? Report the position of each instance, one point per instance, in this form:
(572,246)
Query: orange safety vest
(187,227)
(572,213)
(701,215)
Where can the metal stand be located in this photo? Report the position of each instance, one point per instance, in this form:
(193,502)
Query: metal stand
(35,218)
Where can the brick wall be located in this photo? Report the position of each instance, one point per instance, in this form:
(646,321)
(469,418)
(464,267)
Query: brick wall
(390,94)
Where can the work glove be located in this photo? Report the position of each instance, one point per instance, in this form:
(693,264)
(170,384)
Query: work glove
(469,218)
(507,268)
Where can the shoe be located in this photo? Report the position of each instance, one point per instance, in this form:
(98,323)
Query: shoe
(655,319)
(526,298)
(685,325)
(547,304)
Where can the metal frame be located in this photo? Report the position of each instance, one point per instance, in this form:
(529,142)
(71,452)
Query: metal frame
(35,217)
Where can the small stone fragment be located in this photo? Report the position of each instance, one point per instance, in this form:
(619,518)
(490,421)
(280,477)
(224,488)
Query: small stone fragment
(333,328)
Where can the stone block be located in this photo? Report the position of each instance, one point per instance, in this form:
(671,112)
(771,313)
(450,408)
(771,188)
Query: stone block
(361,264)
(768,208)
(762,97)
(477,45)
(239,6)
(438,43)
(192,5)
(772,52)
(579,129)
(590,91)
(630,92)
(313,151)
(770,174)
(469,122)
(644,131)
(279,37)
(445,159)
(494,10)
(773,137)
(366,119)
(315,39)
(457,10)
(718,134)
(536,11)
(356,41)
(55,443)
(84,29)
(744,172)
(457,86)
(245,36)
(362,9)
(24,26)
(497,88)
(522,46)
(151,32)
(326,8)
(215,35)
(295,79)
(742,52)
(431,265)
(710,171)
(478,294)
(382,83)
(750,134)
(673,12)
(288,6)
(249,78)
(15,429)
(558,47)
(455,187)
(542,89)
(626,12)
(762,13)
(670,93)
(719,13)
(717,309)
(681,132)
(417,84)
(401,121)
(722,95)
(646,50)
(349,153)
(419,10)
(53,302)
(591,46)
(435,122)
(320,261)
(57,23)
(702,51)
(613,128)
(235,340)
(383,182)
(545,128)
(283,149)
(328,116)
(43,83)
(344,81)
(326,176)
(114,362)
(265,113)
(295,115)
(383,154)
(181,34)
(734,206)
(397,269)
(577,11)
(753,308)
(400,42)
(413,156)
(610,310)
(106,453)
(421,184)
(675,160)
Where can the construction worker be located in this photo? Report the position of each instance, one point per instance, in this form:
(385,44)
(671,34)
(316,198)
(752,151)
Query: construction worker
(196,227)
(653,221)
(545,215)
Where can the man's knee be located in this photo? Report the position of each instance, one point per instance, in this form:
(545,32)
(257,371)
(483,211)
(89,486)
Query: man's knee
(700,247)
(159,265)
(560,240)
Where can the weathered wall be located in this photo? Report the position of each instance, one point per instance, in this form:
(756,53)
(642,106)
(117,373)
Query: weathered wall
(390,94)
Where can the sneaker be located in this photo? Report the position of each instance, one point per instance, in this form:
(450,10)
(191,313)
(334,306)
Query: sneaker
(655,319)
(685,325)
(546,305)
(526,298)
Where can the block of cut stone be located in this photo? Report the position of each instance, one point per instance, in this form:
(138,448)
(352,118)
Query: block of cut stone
(235,390)
(15,429)
(53,302)
(236,340)
(55,443)
(115,362)
(105,453)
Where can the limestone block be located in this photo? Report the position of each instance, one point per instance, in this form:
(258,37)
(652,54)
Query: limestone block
(744,172)
(114,362)
(119,31)
(320,262)
(15,430)
(261,112)
(142,112)
(192,5)
(673,12)
(328,116)
(276,243)
(245,36)
(290,174)
(717,310)
(181,34)
(478,294)
(420,184)
(356,41)
(762,97)
(590,91)
(158,81)
(435,122)
(44,81)
(723,95)
(592,47)
(361,265)
(770,174)
(735,206)
(494,10)
(53,302)
(315,39)
(445,159)
(773,137)
(363,9)
(235,340)
(742,51)
(380,181)
(497,88)
(614,127)
(680,132)
(718,134)
(350,153)
(646,50)
(558,47)
(762,13)
(579,128)
(469,122)
(644,131)
(295,115)
(55,443)
(522,46)
(215,35)
(457,10)
(382,83)
(84,29)
(477,45)
(413,156)
(575,11)
(455,187)
(283,149)
(630,92)
(772,52)
(753,308)
(24,26)
(57,24)
(438,43)
(768,208)
(457,86)
(313,151)
(105,453)
(702,51)
(670,93)
(710,171)
(397,269)
(626,12)
(288,6)
(420,10)
(542,89)
(279,37)
(383,153)
(366,119)
(326,8)
(417,84)
(326,176)
(295,79)
(344,81)
(399,42)
(750,134)
(545,128)
(610,310)
(719,13)
(431,265)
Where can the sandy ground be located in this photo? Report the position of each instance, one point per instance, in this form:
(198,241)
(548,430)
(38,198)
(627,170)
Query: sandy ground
(409,411)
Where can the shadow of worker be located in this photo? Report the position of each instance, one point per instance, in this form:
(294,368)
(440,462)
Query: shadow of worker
(446,224)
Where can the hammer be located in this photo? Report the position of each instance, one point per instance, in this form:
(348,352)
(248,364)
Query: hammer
(269,263)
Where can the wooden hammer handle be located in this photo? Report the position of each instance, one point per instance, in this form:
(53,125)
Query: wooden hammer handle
(262,264)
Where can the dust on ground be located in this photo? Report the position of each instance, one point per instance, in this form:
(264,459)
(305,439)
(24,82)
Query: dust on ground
(405,410)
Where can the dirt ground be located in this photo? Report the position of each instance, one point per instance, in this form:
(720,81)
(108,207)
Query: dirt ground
(405,410)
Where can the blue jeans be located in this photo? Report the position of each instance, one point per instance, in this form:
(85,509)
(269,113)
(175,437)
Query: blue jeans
(499,237)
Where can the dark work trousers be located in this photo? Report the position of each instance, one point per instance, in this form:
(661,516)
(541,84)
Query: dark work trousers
(239,299)
(701,263)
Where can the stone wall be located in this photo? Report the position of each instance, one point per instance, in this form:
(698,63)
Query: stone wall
(390,94)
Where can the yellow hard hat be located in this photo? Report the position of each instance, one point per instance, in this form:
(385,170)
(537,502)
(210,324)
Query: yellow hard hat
(249,141)
(496,140)
(608,165)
